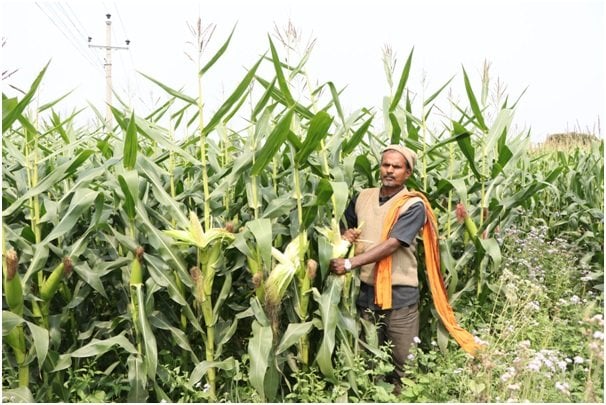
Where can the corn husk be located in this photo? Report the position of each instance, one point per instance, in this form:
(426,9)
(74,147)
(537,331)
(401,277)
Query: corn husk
(283,273)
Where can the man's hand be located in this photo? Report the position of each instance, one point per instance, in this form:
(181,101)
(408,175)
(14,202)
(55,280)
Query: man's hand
(351,235)
(337,266)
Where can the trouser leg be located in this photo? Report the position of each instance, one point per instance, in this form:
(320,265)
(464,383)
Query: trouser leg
(402,326)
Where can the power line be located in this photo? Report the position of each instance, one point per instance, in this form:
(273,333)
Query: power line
(82,31)
(63,32)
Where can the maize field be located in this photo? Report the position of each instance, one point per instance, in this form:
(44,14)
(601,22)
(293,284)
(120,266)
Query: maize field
(179,255)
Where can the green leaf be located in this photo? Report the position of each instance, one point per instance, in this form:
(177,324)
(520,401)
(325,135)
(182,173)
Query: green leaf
(171,91)
(9,321)
(318,129)
(97,347)
(474,103)
(158,321)
(147,335)
(201,368)
(434,95)
(356,138)
(294,332)
(81,201)
(41,341)
(329,311)
(463,138)
(259,349)
(341,197)
(130,144)
(232,99)
(19,394)
(262,231)
(217,55)
(290,102)
(137,379)
(402,83)
(396,130)
(335,97)
(9,116)
(152,172)
(273,143)
(51,180)
(491,247)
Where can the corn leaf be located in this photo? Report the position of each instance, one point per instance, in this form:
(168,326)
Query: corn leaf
(130,144)
(81,201)
(356,138)
(273,143)
(402,83)
(262,231)
(317,131)
(137,378)
(52,179)
(329,311)
(201,368)
(294,332)
(14,111)
(463,138)
(259,349)
(98,347)
(217,55)
(290,102)
(171,91)
(479,119)
(148,337)
(232,99)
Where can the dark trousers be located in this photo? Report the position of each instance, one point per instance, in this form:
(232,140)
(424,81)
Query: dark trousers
(399,326)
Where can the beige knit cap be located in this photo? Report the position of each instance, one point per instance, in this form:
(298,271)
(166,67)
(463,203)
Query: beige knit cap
(408,154)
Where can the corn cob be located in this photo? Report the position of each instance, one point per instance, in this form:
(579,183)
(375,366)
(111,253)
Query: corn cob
(12,284)
(51,284)
(14,298)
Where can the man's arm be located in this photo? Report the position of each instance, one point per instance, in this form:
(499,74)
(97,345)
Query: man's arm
(373,255)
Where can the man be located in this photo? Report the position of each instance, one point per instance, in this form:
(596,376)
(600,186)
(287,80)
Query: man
(390,300)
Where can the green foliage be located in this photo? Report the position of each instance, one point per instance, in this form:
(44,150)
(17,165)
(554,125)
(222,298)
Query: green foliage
(195,326)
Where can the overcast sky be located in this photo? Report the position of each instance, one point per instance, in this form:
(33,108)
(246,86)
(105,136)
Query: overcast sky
(555,49)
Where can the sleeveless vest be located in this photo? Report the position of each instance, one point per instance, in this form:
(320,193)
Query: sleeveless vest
(371,217)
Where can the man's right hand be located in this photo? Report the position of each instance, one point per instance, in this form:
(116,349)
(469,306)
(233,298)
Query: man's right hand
(351,235)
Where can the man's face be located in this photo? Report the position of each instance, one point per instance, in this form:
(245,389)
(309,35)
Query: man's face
(394,171)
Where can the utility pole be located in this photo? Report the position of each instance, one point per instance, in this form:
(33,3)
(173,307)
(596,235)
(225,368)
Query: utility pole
(108,67)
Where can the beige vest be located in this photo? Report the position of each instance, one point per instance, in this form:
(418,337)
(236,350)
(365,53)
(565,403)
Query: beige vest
(371,217)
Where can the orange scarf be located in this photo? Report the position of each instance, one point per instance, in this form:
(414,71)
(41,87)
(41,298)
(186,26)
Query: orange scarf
(432,263)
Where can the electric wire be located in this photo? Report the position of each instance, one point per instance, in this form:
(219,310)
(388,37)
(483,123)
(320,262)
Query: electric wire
(66,35)
(83,32)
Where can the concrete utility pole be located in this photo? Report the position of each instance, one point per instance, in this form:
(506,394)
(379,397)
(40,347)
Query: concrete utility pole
(108,68)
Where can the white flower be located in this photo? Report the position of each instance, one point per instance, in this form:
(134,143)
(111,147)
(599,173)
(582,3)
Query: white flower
(434,343)
(598,335)
(578,360)
(562,387)
(206,387)
(562,365)
(411,356)
(514,387)
(416,340)
(574,299)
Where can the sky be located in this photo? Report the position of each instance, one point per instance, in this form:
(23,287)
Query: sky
(551,51)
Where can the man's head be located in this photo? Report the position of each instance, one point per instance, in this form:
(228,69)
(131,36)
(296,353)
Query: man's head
(409,155)
(397,164)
